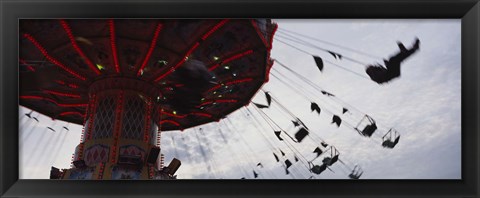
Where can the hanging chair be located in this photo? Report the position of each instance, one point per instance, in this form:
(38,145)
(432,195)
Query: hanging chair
(330,160)
(356,172)
(391,138)
(366,127)
(317,169)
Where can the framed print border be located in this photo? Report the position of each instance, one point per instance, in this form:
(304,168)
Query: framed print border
(467,10)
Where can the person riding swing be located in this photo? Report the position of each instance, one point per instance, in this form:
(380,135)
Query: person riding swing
(381,74)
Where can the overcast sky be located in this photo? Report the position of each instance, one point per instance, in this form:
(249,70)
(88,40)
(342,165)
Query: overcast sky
(423,105)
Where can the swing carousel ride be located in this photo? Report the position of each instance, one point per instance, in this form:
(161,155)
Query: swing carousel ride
(127,81)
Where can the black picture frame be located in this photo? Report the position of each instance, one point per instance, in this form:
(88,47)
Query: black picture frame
(466,10)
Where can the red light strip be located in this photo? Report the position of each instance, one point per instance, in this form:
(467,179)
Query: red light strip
(147,121)
(231,58)
(204,37)
(151,171)
(259,33)
(226,101)
(92,112)
(51,59)
(271,36)
(174,115)
(72,105)
(68,30)
(111,24)
(118,117)
(159,134)
(53,101)
(29,67)
(218,101)
(62,94)
(183,116)
(215,28)
(179,63)
(71,113)
(201,114)
(230,83)
(150,50)
(73,86)
(237,56)
(170,121)
(82,135)
(100,171)
(80,150)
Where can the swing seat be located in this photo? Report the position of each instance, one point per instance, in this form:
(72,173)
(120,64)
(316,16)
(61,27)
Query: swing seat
(390,144)
(354,176)
(318,169)
(369,130)
(370,126)
(330,160)
(301,134)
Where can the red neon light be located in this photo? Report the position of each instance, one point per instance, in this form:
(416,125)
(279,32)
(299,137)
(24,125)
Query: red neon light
(68,30)
(231,58)
(73,86)
(179,63)
(159,133)
(29,67)
(230,83)
(100,172)
(71,113)
(237,56)
(174,115)
(53,101)
(202,114)
(80,151)
(72,105)
(150,50)
(170,121)
(226,101)
(147,121)
(51,59)
(62,94)
(215,28)
(111,24)
(34,97)
(259,33)
(271,36)
(92,112)
(214,88)
(239,81)
(218,101)
(183,116)
(118,116)
(205,36)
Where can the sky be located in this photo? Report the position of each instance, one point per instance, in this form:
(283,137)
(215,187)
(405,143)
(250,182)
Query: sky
(423,105)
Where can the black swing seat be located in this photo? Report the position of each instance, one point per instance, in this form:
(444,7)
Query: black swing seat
(356,172)
(390,144)
(318,169)
(354,176)
(369,128)
(330,161)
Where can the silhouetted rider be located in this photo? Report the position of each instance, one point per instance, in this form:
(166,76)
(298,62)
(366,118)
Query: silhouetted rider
(381,74)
